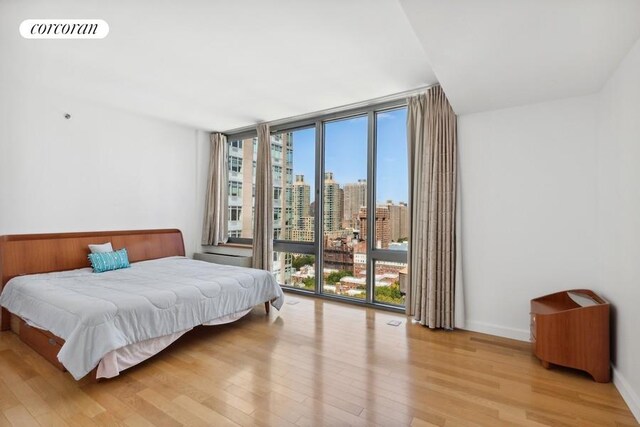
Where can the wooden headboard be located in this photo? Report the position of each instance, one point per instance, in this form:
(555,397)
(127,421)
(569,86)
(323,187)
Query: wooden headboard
(44,253)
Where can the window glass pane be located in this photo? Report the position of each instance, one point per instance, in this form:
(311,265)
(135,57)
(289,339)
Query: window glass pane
(242,153)
(392,180)
(295,270)
(391,282)
(235,188)
(345,187)
(294,168)
(345,206)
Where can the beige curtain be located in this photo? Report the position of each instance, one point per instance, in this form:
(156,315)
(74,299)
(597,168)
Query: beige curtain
(263,210)
(432,140)
(216,210)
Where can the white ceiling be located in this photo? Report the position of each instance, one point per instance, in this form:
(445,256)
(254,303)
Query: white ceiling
(500,53)
(221,64)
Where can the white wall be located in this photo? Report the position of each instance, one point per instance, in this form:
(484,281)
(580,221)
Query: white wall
(103,169)
(551,201)
(528,185)
(619,219)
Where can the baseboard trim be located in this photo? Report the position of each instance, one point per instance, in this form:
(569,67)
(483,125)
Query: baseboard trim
(624,388)
(628,394)
(501,331)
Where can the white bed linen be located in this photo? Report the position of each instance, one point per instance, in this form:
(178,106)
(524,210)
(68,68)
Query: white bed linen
(130,355)
(96,313)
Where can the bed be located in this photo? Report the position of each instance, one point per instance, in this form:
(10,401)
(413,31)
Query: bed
(99,324)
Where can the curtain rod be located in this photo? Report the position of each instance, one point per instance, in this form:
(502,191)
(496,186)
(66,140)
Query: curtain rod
(355,105)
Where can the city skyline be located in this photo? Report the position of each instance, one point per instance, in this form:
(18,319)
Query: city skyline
(391,155)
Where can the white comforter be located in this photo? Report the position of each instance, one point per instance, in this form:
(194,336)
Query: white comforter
(96,313)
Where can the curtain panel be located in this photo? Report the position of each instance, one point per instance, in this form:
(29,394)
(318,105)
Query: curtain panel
(214,228)
(263,211)
(432,149)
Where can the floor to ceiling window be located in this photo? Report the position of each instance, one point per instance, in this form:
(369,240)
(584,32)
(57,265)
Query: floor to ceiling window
(340,193)
(293,152)
(389,251)
(344,243)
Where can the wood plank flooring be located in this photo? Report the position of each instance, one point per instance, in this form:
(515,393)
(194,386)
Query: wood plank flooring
(314,363)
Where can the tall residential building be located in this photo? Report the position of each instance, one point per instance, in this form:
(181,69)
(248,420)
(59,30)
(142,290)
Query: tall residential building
(382,226)
(355,197)
(282,170)
(242,171)
(303,222)
(301,200)
(304,232)
(332,209)
(241,168)
(341,209)
(399,220)
(241,165)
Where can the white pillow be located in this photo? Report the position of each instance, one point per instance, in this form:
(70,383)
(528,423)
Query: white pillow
(105,247)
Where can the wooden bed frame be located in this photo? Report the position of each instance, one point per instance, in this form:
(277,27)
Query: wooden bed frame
(45,253)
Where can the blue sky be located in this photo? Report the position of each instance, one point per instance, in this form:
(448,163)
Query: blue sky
(346,153)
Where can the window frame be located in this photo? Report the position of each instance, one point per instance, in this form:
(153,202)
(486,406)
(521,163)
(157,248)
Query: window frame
(316,247)
(235,186)
(235,162)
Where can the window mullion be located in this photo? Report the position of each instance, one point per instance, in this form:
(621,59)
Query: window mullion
(371,204)
(319,206)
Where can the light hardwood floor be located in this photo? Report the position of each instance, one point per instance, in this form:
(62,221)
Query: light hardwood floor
(315,363)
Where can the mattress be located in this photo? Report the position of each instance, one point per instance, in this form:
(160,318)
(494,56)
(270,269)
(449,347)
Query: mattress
(116,361)
(97,313)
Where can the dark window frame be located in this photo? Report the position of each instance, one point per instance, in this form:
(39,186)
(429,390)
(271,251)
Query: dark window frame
(315,247)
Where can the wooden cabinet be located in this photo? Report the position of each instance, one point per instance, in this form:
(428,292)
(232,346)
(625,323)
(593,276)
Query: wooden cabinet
(571,328)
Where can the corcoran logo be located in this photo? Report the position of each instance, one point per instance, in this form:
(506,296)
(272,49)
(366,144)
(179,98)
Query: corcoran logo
(64,29)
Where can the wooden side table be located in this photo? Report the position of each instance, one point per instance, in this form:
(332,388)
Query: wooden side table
(571,328)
